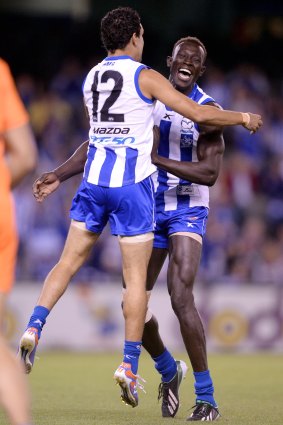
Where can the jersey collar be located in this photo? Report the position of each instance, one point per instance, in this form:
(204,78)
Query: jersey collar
(114,58)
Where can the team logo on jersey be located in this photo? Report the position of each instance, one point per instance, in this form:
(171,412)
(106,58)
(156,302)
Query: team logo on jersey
(186,125)
(186,140)
(187,136)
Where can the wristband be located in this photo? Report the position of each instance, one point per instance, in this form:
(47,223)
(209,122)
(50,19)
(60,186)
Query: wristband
(246,118)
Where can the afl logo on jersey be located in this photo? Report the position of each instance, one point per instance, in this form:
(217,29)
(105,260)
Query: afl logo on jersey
(186,126)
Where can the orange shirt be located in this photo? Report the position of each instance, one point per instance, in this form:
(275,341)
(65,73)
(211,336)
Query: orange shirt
(12,115)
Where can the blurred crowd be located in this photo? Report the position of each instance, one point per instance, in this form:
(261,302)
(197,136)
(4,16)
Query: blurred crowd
(244,240)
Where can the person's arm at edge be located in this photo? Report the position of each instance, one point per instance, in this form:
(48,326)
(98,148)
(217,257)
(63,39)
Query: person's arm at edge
(21,152)
(154,85)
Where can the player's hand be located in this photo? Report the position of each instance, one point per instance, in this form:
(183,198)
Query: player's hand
(252,122)
(46,184)
(156,139)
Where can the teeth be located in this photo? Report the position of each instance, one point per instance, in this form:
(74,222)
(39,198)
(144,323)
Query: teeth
(185,71)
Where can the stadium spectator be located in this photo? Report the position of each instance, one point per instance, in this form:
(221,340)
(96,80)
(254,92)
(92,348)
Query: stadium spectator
(17,159)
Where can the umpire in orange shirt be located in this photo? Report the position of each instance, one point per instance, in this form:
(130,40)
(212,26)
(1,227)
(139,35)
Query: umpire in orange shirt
(18,156)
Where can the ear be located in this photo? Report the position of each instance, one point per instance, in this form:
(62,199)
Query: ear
(169,61)
(202,71)
(134,39)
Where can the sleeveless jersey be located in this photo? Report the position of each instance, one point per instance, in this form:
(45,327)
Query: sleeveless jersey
(178,141)
(121,122)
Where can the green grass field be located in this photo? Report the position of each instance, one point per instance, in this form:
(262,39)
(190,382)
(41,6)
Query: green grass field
(78,389)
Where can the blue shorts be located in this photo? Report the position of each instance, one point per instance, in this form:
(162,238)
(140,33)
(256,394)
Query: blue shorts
(129,209)
(192,220)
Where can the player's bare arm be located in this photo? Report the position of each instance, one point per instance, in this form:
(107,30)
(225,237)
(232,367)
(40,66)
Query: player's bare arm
(210,151)
(74,165)
(48,182)
(154,85)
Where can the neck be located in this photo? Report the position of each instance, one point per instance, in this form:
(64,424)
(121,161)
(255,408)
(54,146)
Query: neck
(122,52)
(189,89)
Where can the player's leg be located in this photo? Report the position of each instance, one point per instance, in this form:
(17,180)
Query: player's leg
(78,245)
(151,339)
(8,254)
(3,297)
(135,252)
(172,371)
(76,250)
(88,220)
(135,259)
(184,257)
(132,218)
(14,392)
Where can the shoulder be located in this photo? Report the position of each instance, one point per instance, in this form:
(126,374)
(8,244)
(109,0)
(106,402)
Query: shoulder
(201,97)
(149,73)
(154,84)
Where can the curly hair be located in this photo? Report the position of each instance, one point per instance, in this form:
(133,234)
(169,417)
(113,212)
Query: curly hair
(192,40)
(118,26)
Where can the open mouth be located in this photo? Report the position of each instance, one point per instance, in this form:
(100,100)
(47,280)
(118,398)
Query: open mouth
(184,74)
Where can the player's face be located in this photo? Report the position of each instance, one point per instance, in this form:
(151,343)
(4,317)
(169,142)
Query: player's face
(186,65)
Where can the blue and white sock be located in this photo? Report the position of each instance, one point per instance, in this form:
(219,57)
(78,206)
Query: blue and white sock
(204,388)
(38,318)
(165,364)
(132,350)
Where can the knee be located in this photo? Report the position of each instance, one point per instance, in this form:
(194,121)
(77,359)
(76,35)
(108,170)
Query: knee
(186,275)
(67,267)
(182,299)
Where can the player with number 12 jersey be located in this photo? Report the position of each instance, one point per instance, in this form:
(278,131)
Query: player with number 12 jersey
(120,142)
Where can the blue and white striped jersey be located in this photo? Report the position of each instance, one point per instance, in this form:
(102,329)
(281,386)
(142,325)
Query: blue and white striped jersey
(121,122)
(178,140)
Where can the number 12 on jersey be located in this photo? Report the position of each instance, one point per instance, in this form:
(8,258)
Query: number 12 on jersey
(105,115)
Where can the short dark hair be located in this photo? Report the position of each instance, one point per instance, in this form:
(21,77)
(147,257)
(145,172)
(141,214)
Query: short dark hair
(118,26)
(192,40)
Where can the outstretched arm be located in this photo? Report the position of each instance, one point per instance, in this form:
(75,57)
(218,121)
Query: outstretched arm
(48,182)
(210,150)
(154,85)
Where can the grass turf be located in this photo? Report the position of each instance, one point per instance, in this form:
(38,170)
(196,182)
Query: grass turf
(78,389)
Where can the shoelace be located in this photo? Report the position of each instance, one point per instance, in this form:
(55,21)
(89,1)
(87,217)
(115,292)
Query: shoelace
(201,408)
(160,391)
(139,385)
